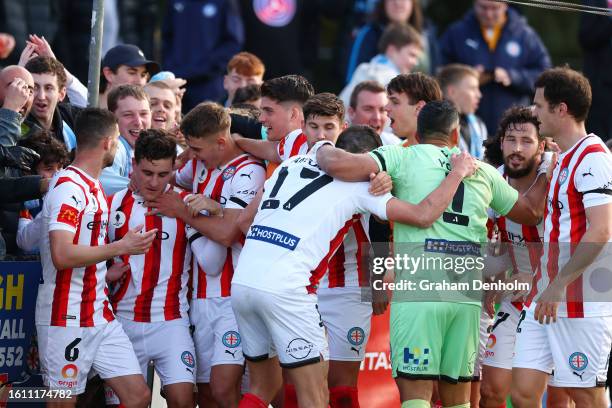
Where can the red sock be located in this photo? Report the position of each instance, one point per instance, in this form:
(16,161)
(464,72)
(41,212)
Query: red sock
(251,401)
(343,397)
(290,397)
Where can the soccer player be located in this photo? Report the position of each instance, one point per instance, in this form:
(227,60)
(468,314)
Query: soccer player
(150,300)
(275,294)
(367,106)
(223,172)
(243,69)
(460,85)
(561,329)
(281,113)
(408,93)
(77,330)
(437,350)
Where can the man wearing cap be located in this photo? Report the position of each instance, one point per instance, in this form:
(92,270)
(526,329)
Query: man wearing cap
(124,64)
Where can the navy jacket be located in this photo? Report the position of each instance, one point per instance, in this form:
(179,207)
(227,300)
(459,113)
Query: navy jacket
(519,51)
(200,37)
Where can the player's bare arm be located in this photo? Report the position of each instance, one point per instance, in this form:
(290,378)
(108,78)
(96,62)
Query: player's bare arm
(66,254)
(425,213)
(599,231)
(262,149)
(344,165)
(223,230)
(248,214)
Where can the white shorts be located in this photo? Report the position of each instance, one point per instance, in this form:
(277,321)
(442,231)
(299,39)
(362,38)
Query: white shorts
(484,328)
(168,344)
(577,350)
(285,324)
(68,354)
(216,335)
(500,342)
(347,320)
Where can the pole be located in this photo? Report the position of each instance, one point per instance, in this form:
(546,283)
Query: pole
(95,51)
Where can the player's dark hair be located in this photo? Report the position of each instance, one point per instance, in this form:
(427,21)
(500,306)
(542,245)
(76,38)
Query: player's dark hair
(399,35)
(324,104)
(92,126)
(437,120)
(358,139)
(154,144)
(206,119)
(288,88)
(564,85)
(516,115)
(246,109)
(48,65)
(417,87)
(247,94)
(49,149)
(369,85)
(123,91)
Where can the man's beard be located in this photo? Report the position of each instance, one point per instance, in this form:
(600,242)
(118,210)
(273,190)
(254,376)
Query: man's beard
(528,166)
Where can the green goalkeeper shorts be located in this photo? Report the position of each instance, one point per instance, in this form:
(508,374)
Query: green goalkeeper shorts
(434,340)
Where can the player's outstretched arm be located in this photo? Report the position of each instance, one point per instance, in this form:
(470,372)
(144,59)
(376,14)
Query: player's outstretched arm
(262,149)
(344,165)
(65,254)
(425,213)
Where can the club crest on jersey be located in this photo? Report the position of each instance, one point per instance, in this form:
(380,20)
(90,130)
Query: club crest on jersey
(563,176)
(228,173)
(188,359)
(356,336)
(578,361)
(231,339)
(118,219)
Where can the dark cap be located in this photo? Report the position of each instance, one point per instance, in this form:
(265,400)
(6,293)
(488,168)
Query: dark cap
(130,55)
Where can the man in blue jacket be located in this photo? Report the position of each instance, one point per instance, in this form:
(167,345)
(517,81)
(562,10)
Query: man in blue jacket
(507,52)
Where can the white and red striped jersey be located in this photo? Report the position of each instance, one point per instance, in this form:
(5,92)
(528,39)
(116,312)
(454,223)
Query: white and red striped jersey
(346,266)
(302,220)
(233,185)
(293,144)
(581,179)
(523,242)
(155,287)
(76,297)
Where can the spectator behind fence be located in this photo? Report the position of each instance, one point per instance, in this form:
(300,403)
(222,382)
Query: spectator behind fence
(49,112)
(596,42)
(507,52)
(400,48)
(199,39)
(53,158)
(459,85)
(243,69)
(364,46)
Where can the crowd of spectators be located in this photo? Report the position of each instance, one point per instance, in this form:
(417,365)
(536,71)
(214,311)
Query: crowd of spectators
(221,50)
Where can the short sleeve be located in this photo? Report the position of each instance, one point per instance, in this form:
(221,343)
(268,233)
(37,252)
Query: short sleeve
(292,145)
(244,185)
(184,175)
(66,203)
(389,158)
(368,203)
(503,195)
(593,178)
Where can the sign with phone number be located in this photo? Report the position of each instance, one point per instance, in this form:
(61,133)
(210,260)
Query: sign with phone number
(18,288)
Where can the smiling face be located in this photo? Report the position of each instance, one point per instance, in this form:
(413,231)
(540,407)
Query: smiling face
(521,149)
(47,95)
(151,177)
(133,115)
(209,149)
(163,107)
(370,110)
(276,117)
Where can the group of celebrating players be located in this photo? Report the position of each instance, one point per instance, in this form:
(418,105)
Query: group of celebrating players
(252,251)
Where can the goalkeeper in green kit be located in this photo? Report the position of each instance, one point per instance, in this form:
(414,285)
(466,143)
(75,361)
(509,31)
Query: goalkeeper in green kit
(437,339)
